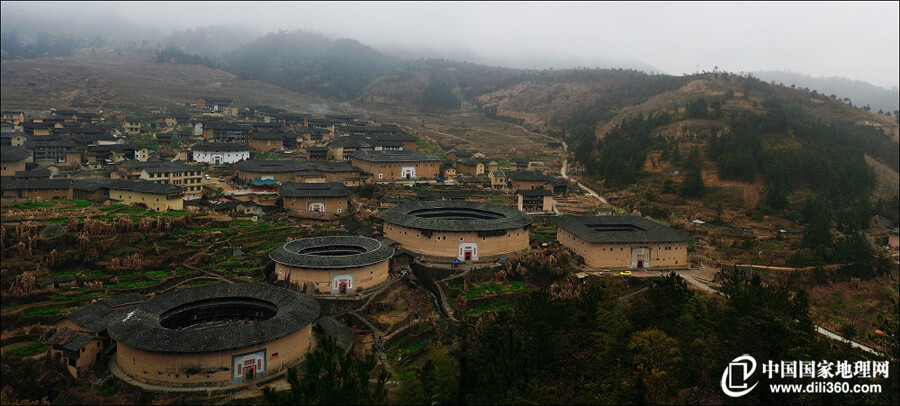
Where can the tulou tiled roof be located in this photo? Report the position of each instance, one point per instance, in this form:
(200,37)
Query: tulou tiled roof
(332,252)
(332,189)
(220,147)
(446,215)
(395,156)
(141,328)
(270,166)
(143,186)
(618,229)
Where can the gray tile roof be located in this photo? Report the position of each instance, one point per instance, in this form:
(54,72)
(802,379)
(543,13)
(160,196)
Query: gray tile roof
(141,327)
(220,147)
(270,166)
(143,186)
(166,167)
(532,193)
(267,135)
(332,189)
(94,317)
(332,252)
(446,215)
(618,229)
(528,176)
(77,342)
(396,156)
(335,167)
(36,173)
(26,184)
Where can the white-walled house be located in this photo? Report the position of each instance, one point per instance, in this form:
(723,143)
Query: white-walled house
(218,153)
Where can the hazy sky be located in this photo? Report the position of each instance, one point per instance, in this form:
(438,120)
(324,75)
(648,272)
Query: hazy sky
(856,40)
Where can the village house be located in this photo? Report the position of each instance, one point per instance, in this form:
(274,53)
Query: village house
(342,148)
(276,170)
(82,335)
(330,197)
(520,164)
(76,351)
(448,170)
(317,153)
(88,118)
(535,201)
(454,195)
(292,120)
(498,179)
(622,242)
(455,155)
(342,172)
(174,173)
(175,119)
(37,129)
(158,197)
(265,141)
(476,166)
(220,131)
(48,189)
(15,116)
(12,160)
(33,171)
(115,153)
(218,153)
(132,126)
(66,115)
(529,180)
(214,103)
(52,150)
(398,165)
(12,139)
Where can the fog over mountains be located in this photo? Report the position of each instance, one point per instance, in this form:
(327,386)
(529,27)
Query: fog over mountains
(676,39)
(859,92)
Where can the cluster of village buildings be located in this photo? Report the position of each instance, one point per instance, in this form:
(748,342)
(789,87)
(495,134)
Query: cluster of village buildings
(41,150)
(304,166)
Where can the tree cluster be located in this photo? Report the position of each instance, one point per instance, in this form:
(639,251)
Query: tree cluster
(670,346)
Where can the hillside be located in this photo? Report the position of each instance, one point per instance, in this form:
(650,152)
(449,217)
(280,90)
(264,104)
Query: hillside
(126,77)
(859,92)
(298,60)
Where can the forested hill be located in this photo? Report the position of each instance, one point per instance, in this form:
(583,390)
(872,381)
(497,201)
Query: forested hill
(300,61)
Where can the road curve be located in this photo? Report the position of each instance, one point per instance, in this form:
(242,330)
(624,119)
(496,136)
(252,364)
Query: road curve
(820,330)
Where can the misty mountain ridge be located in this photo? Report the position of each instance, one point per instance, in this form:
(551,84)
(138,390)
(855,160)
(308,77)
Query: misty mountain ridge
(219,42)
(308,45)
(859,92)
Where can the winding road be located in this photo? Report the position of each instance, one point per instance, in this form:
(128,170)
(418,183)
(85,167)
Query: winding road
(706,288)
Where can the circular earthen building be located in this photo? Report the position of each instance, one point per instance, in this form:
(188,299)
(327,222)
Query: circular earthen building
(214,335)
(457,229)
(332,265)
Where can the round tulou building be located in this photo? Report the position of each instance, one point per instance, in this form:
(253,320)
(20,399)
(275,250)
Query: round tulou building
(332,265)
(214,335)
(457,229)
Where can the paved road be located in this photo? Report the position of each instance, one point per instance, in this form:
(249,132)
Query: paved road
(853,344)
(562,172)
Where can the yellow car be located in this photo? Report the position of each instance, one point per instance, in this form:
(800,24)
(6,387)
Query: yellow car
(625,273)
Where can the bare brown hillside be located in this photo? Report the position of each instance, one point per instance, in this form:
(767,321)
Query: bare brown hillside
(126,77)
